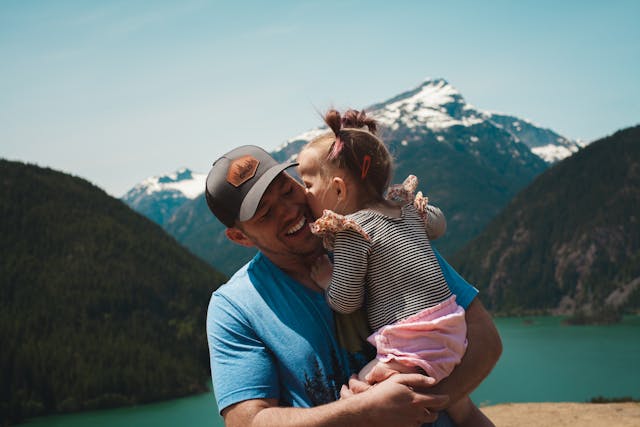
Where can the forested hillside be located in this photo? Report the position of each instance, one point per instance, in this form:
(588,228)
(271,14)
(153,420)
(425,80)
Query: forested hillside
(569,242)
(99,307)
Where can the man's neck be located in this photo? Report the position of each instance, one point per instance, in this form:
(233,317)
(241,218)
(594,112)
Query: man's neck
(298,268)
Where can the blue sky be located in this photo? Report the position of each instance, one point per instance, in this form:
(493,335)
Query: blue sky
(116,91)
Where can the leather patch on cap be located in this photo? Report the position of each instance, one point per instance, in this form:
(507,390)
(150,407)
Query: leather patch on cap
(241,170)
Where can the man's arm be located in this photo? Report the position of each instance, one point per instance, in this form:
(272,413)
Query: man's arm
(391,403)
(484,344)
(483,351)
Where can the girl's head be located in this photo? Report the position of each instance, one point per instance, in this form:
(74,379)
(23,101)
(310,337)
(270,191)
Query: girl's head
(348,168)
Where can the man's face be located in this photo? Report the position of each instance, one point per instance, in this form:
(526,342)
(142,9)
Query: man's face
(280,227)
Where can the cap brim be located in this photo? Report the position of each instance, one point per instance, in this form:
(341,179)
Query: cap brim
(253,197)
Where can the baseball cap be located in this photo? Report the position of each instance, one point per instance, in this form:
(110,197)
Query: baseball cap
(237,181)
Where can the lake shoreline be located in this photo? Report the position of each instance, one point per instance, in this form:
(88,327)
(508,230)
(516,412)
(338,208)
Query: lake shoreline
(564,414)
(550,358)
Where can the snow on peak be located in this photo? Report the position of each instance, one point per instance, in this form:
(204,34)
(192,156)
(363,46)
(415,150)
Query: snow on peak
(182,174)
(552,153)
(435,93)
(185,181)
(434,104)
(309,135)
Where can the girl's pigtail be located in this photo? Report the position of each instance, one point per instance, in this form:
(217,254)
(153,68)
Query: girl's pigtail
(334,121)
(359,120)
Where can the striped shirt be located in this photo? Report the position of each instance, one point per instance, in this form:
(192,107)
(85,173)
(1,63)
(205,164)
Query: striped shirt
(395,274)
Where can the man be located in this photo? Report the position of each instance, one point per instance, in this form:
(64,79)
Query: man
(274,358)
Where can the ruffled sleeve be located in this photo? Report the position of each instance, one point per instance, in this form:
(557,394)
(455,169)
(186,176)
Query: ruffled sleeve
(330,223)
(404,192)
(434,220)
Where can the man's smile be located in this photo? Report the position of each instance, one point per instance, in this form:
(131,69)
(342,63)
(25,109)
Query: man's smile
(296,227)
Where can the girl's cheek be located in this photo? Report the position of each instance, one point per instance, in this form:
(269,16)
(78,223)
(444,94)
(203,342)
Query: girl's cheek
(314,204)
(308,194)
(310,197)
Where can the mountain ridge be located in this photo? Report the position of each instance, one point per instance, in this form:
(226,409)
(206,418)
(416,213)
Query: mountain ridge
(570,241)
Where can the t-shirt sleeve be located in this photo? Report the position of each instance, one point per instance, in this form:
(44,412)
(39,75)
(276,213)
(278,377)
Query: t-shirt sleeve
(241,366)
(464,292)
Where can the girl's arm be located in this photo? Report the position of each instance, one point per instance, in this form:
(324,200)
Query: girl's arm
(346,291)
(321,271)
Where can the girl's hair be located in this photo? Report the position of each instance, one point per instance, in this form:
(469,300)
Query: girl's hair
(354,148)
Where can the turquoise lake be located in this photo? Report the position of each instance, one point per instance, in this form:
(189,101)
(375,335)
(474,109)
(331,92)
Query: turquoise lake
(542,361)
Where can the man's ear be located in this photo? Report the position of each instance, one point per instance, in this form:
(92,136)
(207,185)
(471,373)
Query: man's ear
(237,236)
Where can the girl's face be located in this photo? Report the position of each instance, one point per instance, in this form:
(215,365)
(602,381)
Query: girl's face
(320,194)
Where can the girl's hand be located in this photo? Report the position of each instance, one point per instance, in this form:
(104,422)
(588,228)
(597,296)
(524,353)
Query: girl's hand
(321,271)
(355,386)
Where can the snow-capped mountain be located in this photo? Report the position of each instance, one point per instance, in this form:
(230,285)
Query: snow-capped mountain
(435,107)
(158,197)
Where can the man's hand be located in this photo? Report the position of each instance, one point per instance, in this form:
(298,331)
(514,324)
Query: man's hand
(395,402)
(400,403)
(321,271)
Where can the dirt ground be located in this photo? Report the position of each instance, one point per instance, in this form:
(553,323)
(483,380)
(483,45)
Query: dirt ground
(564,414)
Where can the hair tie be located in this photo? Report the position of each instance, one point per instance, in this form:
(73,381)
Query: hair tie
(336,148)
(366,162)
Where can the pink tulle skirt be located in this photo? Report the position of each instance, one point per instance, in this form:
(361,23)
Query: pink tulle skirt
(434,339)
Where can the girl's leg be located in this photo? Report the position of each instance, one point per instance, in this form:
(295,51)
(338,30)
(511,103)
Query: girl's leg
(464,413)
(377,371)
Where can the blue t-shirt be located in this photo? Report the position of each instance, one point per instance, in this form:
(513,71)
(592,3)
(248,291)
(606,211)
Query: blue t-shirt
(271,337)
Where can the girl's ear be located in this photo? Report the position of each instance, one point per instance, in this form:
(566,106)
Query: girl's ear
(237,236)
(339,187)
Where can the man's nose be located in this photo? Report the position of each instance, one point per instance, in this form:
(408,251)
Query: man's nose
(288,206)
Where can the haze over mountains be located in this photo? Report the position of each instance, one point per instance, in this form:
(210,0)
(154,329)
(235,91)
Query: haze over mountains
(469,162)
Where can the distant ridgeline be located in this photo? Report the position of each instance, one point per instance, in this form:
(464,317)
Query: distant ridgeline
(570,241)
(99,306)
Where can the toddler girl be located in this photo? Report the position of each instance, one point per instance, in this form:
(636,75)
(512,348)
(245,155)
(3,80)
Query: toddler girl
(382,257)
